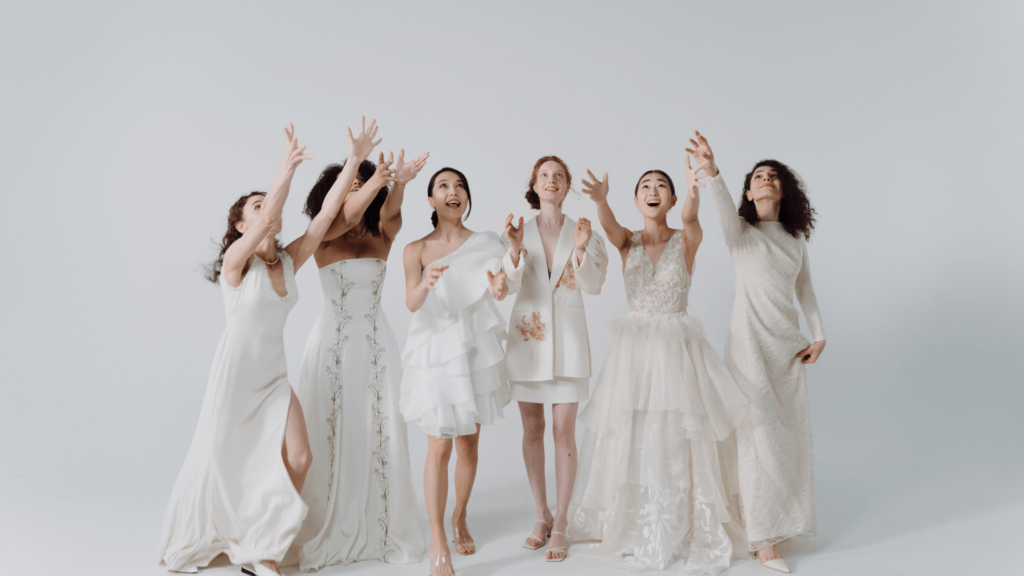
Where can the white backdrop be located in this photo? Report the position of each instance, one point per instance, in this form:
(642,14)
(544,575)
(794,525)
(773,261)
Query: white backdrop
(129,130)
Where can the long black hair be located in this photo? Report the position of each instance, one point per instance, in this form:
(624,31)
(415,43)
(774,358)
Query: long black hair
(315,199)
(465,182)
(795,212)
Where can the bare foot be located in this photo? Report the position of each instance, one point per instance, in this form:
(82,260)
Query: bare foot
(556,546)
(440,559)
(541,531)
(463,541)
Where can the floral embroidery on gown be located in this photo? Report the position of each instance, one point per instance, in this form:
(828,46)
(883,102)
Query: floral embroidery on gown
(362,504)
(657,469)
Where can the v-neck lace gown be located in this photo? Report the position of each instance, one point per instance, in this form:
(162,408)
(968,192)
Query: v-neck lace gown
(658,463)
(233,494)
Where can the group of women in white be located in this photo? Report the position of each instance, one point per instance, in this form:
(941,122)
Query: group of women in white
(688,460)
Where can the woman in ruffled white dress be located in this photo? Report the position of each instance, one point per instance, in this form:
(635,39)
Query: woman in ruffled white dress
(453,378)
(658,463)
(765,350)
(238,490)
(362,505)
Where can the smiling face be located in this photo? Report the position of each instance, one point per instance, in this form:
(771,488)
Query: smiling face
(654,196)
(764,185)
(449,195)
(552,182)
(250,212)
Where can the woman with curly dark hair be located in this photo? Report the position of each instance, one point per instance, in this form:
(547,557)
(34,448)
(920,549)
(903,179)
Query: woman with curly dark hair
(765,350)
(239,489)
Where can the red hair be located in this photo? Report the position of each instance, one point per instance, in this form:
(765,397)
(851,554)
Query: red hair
(532,197)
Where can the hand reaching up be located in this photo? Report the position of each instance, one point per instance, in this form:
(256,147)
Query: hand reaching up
(514,234)
(693,178)
(702,153)
(581,236)
(294,155)
(499,288)
(384,174)
(404,172)
(360,146)
(596,189)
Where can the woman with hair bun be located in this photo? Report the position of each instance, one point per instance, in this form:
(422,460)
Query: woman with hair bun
(238,491)
(362,504)
(550,261)
(454,378)
(765,350)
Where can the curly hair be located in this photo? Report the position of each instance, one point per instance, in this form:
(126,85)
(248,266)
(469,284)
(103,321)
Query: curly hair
(671,185)
(532,197)
(315,198)
(465,182)
(213,270)
(795,212)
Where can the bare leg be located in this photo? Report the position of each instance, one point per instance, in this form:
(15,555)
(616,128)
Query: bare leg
(295,451)
(563,424)
(435,491)
(533,455)
(465,474)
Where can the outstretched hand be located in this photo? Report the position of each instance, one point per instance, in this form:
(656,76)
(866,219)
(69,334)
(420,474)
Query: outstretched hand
(514,234)
(596,189)
(294,155)
(361,146)
(384,174)
(499,288)
(693,178)
(702,153)
(404,172)
(581,236)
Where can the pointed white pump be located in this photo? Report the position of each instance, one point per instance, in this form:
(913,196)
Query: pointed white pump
(777,564)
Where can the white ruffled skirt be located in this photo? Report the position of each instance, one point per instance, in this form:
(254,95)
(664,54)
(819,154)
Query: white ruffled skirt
(454,371)
(657,472)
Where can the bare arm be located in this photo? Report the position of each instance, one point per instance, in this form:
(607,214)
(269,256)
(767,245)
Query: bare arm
(732,224)
(416,288)
(391,211)
(692,232)
(618,235)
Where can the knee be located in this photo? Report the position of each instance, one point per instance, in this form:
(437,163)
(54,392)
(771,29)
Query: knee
(300,460)
(533,430)
(440,453)
(467,449)
(565,436)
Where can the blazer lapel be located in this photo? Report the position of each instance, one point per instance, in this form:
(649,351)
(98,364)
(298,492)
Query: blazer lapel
(562,251)
(534,249)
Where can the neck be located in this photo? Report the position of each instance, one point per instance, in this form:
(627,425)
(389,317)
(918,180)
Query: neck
(267,250)
(768,210)
(657,228)
(550,215)
(449,230)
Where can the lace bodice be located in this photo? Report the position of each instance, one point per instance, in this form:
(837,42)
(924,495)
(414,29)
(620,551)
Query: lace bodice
(661,290)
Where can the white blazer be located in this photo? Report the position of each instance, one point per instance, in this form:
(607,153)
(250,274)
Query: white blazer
(547,333)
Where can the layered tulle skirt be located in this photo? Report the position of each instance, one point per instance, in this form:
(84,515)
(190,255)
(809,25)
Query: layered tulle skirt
(454,371)
(657,472)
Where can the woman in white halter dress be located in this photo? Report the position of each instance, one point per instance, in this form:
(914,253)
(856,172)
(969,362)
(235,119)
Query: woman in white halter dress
(658,465)
(362,505)
(238,491)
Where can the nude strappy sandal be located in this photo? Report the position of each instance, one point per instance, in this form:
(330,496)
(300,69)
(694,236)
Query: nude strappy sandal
(543,539)
(556,549)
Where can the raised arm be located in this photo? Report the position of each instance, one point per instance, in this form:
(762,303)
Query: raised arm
(732,224)
(359,149)
(692,232)
(618,235)
(391,211)
(268,223)
(416,288)
(512,263)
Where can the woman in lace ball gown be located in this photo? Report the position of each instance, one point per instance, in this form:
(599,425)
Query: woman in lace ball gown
(658,464)
(454,377)
(362,505)
(765,350)
(551,260)
(238,491)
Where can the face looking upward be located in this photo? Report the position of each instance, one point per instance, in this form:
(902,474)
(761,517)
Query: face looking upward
(654,196)
(552,182)
(765,185)
(250,212)
(449,196)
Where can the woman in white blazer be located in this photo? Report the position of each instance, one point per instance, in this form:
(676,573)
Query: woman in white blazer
(550,261)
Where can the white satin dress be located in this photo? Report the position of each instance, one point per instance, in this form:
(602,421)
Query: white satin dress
(362,504)
(454,364)
(233,494)
(657,471)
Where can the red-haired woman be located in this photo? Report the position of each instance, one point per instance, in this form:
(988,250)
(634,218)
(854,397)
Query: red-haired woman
(551,260)
(765,350)
(238,491)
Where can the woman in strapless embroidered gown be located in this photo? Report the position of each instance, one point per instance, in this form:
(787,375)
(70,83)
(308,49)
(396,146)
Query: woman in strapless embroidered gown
(238,491)
(362,505)
(658,463)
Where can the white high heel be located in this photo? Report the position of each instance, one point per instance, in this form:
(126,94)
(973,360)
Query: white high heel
(543,540)
(777,564)
(556,549)
(258,569)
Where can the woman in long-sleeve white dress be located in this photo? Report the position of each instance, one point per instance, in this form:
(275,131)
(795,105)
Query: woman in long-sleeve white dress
(765,350)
